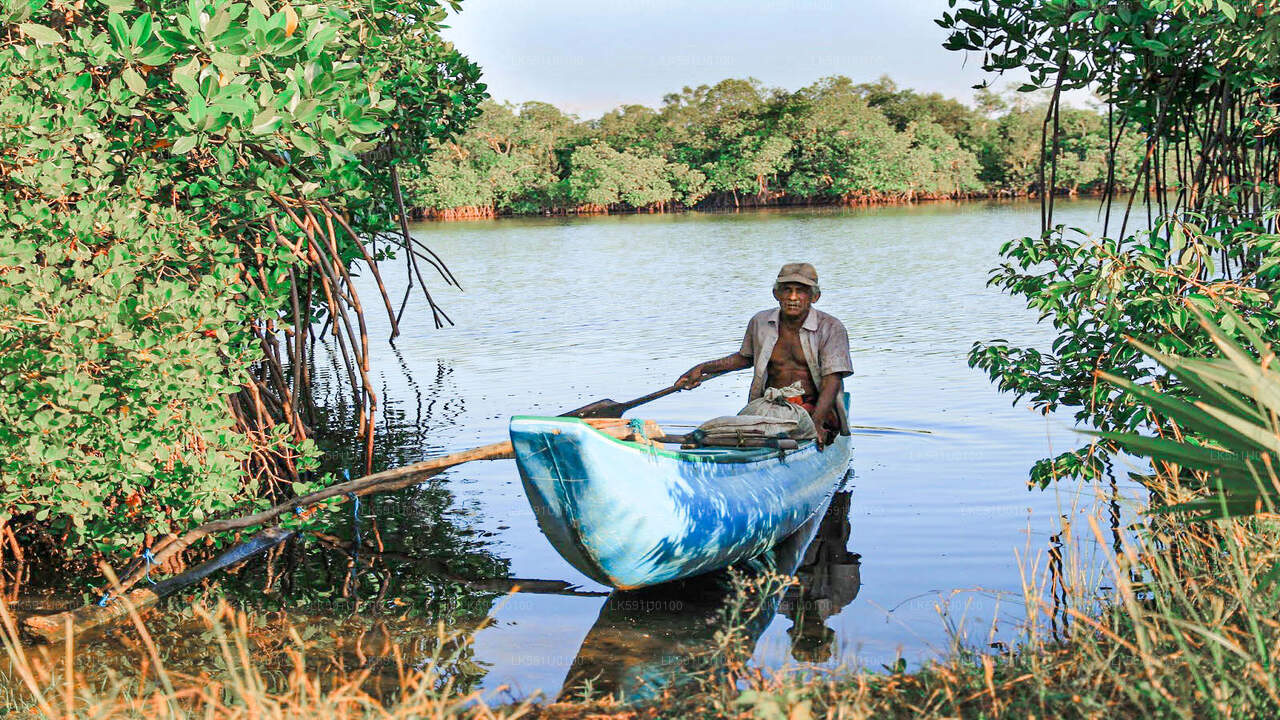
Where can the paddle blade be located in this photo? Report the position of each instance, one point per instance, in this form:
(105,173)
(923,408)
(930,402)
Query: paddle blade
(598,409)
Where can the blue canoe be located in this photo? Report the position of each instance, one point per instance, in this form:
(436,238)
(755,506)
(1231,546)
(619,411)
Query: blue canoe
(629,515)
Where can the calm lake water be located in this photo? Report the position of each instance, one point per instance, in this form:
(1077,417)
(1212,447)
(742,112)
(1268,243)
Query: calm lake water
(932,545)
(560,312)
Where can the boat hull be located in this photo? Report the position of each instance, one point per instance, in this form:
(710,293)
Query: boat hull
(629,515)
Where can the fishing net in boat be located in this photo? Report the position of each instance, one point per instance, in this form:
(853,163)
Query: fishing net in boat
(761,423)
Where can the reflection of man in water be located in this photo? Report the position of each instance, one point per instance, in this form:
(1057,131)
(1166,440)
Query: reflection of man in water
(830,578)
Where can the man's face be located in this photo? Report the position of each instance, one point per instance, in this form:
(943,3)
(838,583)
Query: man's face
(794,299)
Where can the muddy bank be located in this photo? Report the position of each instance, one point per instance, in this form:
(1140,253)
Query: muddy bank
(730,201)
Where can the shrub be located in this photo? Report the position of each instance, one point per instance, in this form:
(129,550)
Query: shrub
(185,187)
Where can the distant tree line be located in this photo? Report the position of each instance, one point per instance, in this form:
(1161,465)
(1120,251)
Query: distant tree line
(737,143)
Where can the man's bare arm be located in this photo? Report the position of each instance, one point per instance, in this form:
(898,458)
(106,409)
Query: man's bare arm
(831,386)
(696,374)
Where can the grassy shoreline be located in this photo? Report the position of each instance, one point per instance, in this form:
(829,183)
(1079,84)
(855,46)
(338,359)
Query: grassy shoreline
(1189,631)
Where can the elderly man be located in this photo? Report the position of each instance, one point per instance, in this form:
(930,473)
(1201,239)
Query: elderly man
(793,343)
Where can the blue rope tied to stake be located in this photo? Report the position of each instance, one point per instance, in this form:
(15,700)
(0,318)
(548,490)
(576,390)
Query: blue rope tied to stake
(355,532)
(355,517)
(150,559)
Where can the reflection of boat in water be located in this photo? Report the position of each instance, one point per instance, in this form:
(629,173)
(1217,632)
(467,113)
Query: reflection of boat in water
(629,514)
(643,638)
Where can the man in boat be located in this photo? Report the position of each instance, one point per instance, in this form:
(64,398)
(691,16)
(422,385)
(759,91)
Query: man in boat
(791,343)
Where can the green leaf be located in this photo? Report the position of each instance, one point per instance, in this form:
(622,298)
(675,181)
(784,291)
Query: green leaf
(157,56)
(134,81)
(1206,383)
(265,122)
(185,76)
(42,34)
(141,29)
(304,143)
(1188,415)
(367,126)
(1263,437)
(118,30)
(218,24)
(226,62)
(1179,453)
(183,145)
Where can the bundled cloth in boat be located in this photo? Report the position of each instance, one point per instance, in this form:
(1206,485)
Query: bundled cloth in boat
(762,422)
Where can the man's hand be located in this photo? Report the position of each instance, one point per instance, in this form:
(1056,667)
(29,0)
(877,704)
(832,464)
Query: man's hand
(703,370)
(820,416)
(692,378)
(822,413)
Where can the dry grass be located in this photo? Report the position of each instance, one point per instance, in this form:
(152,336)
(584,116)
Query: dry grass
(1191,630)
(51,683)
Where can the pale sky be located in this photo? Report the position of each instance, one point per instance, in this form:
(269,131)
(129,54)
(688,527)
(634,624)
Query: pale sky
(588,57)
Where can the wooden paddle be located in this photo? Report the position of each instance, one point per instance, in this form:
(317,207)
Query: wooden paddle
(614,409)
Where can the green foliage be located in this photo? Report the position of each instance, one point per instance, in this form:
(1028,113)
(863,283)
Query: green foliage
(506,161)
(118,357)
(1191,93)
(158,161)
(935,160)
(903,107)
(688,186)
(843,146)
(789,704)
(1097,293)
(1231,406)
(747,167)
(1123,47)
(600,175)
(736,142)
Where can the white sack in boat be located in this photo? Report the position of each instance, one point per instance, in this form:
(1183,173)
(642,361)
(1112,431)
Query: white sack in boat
(770,416)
